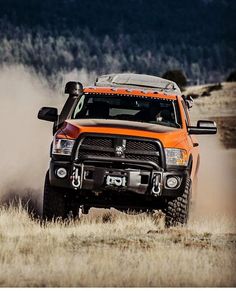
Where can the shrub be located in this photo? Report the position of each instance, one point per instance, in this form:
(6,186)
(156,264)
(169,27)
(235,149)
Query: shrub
(177,76)
(231,77)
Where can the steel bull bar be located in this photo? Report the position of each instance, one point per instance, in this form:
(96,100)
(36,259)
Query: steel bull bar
(130,179)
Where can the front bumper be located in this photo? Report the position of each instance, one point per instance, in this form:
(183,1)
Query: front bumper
(100,175)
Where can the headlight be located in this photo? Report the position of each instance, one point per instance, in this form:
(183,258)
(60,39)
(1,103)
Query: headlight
(62,146)
(176,157)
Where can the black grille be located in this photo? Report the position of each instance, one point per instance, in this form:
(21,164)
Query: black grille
(98,142)
(143,158)
(140,145)
(135,149)
(83,152)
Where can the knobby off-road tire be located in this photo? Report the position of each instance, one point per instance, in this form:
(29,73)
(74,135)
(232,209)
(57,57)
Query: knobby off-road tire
(54,202)
(177,210)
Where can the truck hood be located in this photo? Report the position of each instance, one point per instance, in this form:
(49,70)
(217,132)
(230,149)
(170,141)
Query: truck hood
(169,136)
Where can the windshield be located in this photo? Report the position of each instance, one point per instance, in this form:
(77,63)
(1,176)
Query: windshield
(139,109)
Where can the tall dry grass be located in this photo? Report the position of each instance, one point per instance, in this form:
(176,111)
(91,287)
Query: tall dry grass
(111,250)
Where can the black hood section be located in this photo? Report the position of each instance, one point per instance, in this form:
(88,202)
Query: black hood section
(125,124)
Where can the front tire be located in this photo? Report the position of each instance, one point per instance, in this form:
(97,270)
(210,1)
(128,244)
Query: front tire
(177,210)
(54,201)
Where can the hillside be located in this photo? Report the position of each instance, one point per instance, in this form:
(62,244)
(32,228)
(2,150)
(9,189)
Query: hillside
(106,36)
(217,101)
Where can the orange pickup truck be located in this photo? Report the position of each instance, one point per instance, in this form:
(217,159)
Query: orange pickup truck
(127,142)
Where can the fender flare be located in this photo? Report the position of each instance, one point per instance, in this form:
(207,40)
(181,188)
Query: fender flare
(198,164)
(190,164)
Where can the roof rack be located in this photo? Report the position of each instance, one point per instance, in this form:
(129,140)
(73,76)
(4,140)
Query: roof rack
(138,81)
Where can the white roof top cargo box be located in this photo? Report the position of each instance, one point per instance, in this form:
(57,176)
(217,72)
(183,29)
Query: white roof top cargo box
(138,80)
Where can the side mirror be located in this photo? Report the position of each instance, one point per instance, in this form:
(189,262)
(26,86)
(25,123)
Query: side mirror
(203,127)
(48,114)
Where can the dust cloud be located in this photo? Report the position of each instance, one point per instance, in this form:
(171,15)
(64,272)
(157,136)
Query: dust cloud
(25,140)
(214,209)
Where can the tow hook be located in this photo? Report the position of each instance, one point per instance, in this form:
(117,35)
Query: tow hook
(75,178)
(156,188)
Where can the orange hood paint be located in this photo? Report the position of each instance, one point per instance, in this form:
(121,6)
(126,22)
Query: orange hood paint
(170,137)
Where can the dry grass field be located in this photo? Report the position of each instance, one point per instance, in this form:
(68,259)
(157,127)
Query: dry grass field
(115,250)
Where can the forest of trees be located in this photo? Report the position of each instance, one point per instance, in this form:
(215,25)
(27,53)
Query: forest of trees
(104,36)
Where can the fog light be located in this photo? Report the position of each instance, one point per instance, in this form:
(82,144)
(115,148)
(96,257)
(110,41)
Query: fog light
(61,173)
(172,182)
